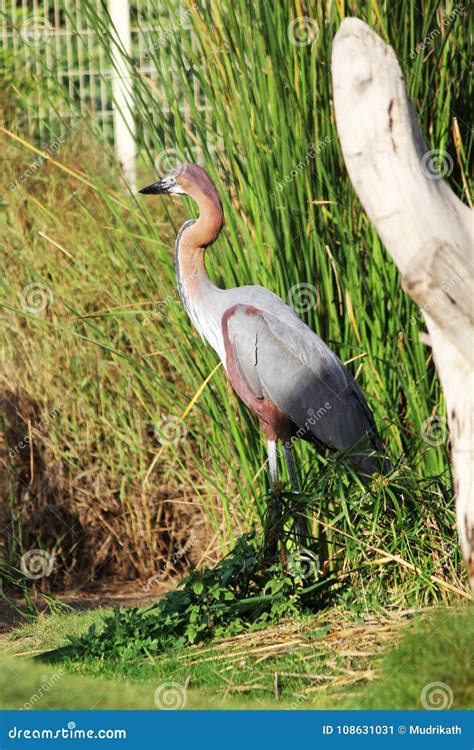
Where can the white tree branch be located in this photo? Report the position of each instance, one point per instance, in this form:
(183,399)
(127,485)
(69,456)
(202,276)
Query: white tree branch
(425,227)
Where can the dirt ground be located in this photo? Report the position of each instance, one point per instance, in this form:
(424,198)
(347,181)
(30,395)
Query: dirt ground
(106,595)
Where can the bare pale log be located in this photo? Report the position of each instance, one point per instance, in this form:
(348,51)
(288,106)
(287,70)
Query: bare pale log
(425,227)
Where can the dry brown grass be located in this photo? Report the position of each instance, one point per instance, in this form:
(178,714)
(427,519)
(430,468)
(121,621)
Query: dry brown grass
(329,653)
(72,471)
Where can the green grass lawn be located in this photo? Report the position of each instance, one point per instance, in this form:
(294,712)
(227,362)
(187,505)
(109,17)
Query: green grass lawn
(329,660)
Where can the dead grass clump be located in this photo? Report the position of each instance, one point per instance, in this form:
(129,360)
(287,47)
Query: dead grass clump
(75,437)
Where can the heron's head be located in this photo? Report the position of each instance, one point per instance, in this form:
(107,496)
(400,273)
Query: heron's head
(185,179)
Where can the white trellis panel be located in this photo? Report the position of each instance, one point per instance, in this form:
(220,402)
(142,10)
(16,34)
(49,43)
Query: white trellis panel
(53,40)
(43,40)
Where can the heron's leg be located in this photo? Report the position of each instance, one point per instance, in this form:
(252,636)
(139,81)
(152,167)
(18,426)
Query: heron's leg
(274,506)
(272,461)
(300,520)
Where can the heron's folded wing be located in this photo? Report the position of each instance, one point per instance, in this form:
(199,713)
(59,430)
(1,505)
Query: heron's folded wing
(240,330)
(285,362)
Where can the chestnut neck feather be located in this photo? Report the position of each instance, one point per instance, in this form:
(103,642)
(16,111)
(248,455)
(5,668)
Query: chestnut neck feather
(195,236)
(200,297)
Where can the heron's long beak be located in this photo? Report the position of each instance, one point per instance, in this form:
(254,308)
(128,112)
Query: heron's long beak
(162,186)
(167,185)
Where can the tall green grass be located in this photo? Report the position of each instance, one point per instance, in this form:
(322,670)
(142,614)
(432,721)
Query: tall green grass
(129,358)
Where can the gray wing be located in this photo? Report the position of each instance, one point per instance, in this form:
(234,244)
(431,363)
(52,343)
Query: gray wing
(279,358)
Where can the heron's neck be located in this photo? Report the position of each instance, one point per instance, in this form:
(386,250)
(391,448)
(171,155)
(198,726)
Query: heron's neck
(200,297)
(189,264)
(191,243)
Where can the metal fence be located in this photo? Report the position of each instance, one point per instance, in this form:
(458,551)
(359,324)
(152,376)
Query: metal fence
(52,41)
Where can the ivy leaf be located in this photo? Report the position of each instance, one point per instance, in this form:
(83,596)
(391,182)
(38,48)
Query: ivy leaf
(198,587)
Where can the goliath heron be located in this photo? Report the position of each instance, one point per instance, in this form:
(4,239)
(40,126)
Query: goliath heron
(280,368)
